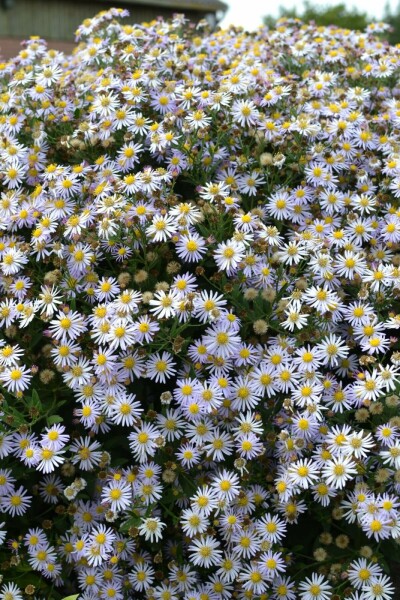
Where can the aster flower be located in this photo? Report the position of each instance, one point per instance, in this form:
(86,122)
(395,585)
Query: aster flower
(387,433)
(198,119)
(270,354)
(117,494)
(248,183)
(244,112)
(193,522)
(86,453)
(283,589)
(15,379)
(315,588)
(142,441)
(229,255)
(146,329)
(7,481)
(16,501)
(246,542)
(361,571)
(249,446)
(67,326)
(271,528)
(358,445)
(332,349)
(271,564)
(160,367)
(49,459)
(10,591)
(303,472)
(338,470)
(125,410)
(191,247)
(229,566)
(205,500)
(164,305)
(379,588)
(141,577)
(369,387)
(151,529)
(207,302)
(391,455)
(205,551)
(54,437)
(219,445)
(121,334)
(221,341)
(188,455)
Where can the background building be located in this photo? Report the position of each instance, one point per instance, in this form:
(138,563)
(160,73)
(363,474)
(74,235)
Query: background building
(57,20)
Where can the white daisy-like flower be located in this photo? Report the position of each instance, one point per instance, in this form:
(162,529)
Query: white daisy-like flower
(191,247)
(16,379)
(161,228)
(379,587)
(315,588)
(226,484)
(229,255)
(3,532)
(244,112)
(271,564)
(369,386)
(221,340)
(10,591)
(303,473)
(331,350)
(361,571)
(142,441)
(67,326)
(193,522)
(12,261)
(117,494)
(391,454)
(141,577)
(205,551)
(271,528)
(151,528)
(339,470)
(49,299)
(121,334)
(16,502)
(160,367)
(164,304)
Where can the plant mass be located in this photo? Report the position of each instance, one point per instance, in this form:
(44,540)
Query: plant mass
(199,312)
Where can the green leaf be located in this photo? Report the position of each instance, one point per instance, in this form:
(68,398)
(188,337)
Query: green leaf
(52,420)
(75,597)
(134,521)
(18,418)
(36,400)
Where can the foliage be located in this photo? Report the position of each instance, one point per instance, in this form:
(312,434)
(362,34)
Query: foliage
(393,19)
(336,14)
(341,16)
(199,306)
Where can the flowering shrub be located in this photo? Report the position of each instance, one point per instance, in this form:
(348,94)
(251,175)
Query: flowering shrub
(200,283)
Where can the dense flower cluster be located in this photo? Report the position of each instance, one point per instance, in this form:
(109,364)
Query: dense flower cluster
(200,284)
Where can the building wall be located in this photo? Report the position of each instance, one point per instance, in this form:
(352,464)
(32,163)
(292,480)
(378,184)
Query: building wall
(57,20)
(10,47)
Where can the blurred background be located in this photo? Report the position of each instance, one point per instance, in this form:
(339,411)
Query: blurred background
(351,15)
(57,20)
